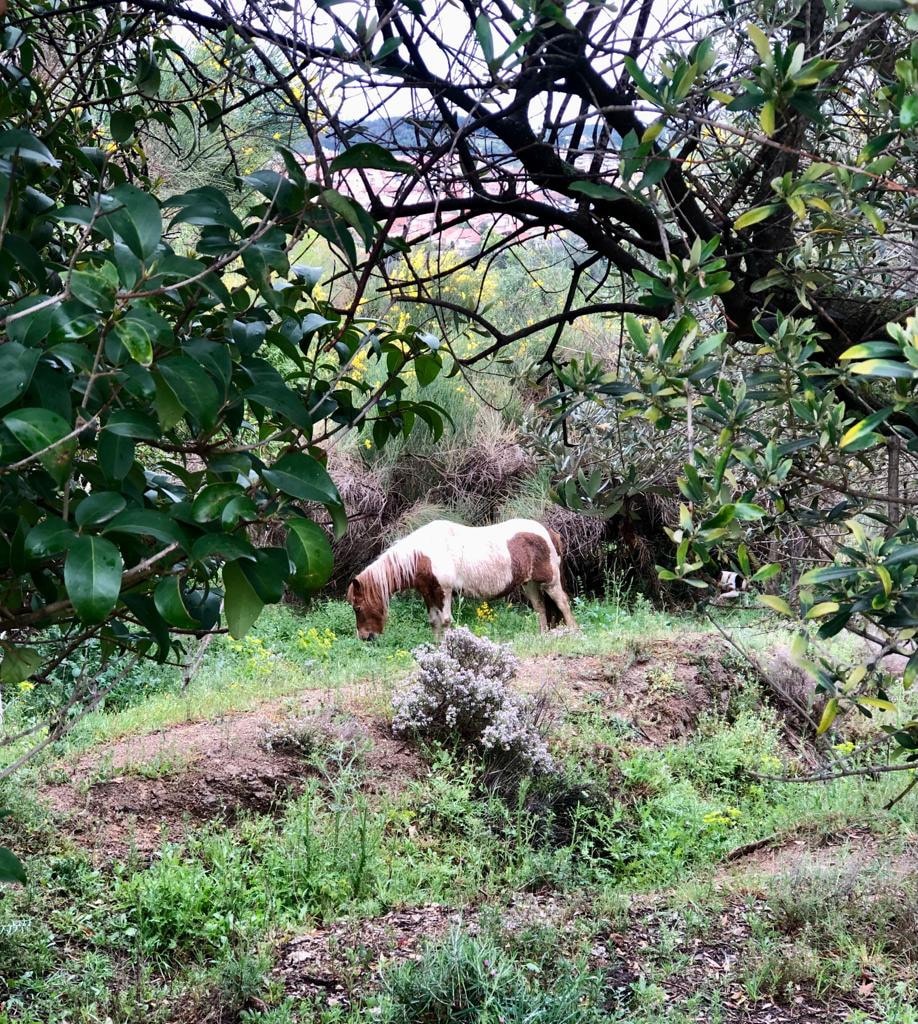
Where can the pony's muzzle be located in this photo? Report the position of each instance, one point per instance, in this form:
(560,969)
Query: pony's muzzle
(367,634)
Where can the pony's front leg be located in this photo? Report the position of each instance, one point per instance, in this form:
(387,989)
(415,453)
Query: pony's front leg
(440,614)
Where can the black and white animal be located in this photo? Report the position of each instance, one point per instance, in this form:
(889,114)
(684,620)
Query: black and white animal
(731,585)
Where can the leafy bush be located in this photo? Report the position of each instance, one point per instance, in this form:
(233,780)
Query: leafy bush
(468,979)
(460,696)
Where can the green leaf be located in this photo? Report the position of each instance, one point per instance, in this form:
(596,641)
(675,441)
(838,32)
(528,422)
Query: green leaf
(15,142)
(19,663)
(753,216)
(369,154)
(485,39)
(748,511)
(301,476)
(17,364)
(225,546)
(170,603)
(776,603)
(148,523)
(767,116)
(194,390)
(92,577)
(210,502)
(828,716)
(879,6)
(427,367)
(596,190)
(41,430)
(267,573)
(766,572)
(721,518)
(98,508)
(126,423)
(908,112)
(205,207)
(49,537)
(882,368)
(11,869)
(136,218)
(122,124)
(310,553)
(115,454)
(241,604)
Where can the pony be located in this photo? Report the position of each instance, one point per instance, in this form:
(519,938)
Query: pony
(443,558)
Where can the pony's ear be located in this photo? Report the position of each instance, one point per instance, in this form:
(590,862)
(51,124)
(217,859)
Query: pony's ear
(352,591)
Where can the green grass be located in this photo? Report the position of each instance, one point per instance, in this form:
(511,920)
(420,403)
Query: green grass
(194,930)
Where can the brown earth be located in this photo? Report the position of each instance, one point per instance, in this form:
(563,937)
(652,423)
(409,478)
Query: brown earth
(134,793)
(658,688)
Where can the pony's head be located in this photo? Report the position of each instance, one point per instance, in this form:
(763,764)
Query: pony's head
(370,608)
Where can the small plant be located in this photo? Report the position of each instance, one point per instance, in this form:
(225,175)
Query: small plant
(460,695)
(468,979)
(319,738)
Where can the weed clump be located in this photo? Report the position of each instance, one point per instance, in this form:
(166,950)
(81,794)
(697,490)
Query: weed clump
(460,696)
(469,979)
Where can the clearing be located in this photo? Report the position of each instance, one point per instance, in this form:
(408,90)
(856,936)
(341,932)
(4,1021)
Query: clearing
(260,847)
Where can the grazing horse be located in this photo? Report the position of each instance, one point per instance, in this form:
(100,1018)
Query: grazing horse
(482,561)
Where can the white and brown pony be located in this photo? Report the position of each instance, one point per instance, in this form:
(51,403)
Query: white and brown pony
(443,558)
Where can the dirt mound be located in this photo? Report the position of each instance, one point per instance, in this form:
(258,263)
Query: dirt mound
(658,689)
(131,794)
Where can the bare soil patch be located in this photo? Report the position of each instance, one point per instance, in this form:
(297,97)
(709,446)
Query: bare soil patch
(710,967)
(850,850)
(659,687)
(133,793)
(343,960)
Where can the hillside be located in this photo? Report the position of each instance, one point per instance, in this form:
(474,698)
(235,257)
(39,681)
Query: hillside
(260,847)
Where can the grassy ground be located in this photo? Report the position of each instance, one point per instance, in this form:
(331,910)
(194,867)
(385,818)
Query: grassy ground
(610,891)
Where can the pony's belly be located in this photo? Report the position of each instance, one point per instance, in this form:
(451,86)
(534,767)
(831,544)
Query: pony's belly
(495,581)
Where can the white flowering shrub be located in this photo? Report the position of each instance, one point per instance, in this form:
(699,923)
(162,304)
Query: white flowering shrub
(460,695)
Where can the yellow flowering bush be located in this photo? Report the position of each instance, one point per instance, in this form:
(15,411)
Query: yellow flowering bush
(314,642)
(484,612)
(258,656)
(729,816)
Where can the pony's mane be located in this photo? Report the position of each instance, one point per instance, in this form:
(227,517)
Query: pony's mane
(392,571)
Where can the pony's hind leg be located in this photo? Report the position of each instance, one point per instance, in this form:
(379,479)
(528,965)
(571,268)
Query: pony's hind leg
(556,592)
(534,593)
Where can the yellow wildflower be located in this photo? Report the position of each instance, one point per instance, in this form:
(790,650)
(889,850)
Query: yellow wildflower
(25,686)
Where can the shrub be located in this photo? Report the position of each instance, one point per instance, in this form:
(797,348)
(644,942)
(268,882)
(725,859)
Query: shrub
(468,979)
(460,695)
